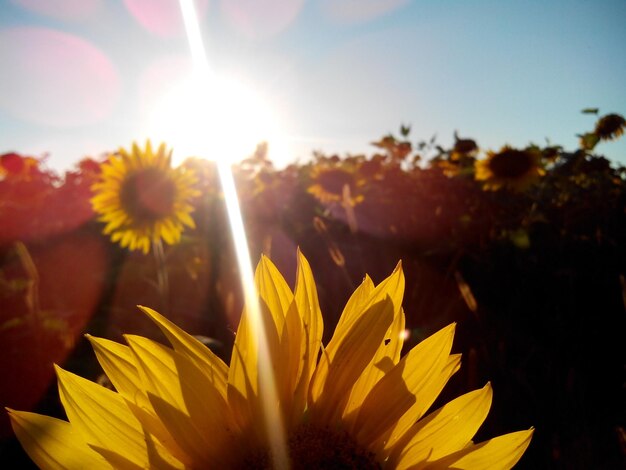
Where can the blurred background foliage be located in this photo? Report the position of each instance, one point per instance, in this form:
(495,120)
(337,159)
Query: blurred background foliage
(523,248)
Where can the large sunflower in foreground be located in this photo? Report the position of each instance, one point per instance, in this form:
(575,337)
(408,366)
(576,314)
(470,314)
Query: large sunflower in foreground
(142,199)
(511,168)
(351,404)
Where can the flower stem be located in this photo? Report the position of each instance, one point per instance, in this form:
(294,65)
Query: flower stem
(162,277)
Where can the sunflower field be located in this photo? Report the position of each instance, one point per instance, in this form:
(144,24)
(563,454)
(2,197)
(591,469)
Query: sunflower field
(521,250)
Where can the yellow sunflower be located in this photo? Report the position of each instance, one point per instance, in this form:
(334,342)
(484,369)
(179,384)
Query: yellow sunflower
(511,168)
(610,127)
(354,403)
(332,183)
(142,199)
(463,148)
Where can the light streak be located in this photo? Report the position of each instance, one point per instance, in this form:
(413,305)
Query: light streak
(205,78)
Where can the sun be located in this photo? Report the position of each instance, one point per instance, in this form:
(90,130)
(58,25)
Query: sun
(220,118)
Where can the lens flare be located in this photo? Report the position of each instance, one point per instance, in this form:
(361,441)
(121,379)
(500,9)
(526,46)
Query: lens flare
(224,119)
(218,125)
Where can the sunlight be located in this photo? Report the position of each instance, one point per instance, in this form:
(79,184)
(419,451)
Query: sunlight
(222,121)
(219,117)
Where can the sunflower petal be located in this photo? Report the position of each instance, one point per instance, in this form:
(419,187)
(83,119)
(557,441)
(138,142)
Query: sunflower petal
(242,374)
(118,364)
(273,290)
(189,346)
(355,303)
(53,443)
(384,360)
(291,363)
(184,399)
(307,306)
(115,460)
(410,379)
(430,392)
(444,431)
(347,356)
(499,453)
(365,296)
(101,417)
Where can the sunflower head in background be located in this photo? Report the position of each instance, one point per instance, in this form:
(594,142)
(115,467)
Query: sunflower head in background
(354,403)
(333,182)
(610,127)
(142,199)
(463,148)
(510,168)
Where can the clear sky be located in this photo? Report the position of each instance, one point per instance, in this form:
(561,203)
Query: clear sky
(81,77)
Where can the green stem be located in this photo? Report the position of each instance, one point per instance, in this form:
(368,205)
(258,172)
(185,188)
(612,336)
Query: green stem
(162,277)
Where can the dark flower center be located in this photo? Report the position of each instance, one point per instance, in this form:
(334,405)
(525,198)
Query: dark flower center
(465,146)
(319,448)
(511,163)
(610,125)
(334,180)
(370,168)
(148,195)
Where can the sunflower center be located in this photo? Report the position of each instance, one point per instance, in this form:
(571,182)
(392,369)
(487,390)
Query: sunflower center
(610,126)
(465,146)
(333,181)
(148,195)
(511,163)
(319,448)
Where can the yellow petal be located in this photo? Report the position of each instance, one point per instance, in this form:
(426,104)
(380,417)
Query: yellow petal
(187,403)
(249,366)
(289,364)
(166,232)
(136,152)
(345,359)
(118,364)
(365,296)
(115,460)
(355,304)
(190,347)
(360,301)
(406,390)
(52,443)
(273,290)
(242,374)
(307,305)
(444,431)
(186,219)
(101,417)
(117,163)
(384,360)
(153,426)
(430,392)
(499,453)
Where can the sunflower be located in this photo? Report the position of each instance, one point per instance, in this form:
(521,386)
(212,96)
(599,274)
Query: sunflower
(511,168)
(610,127)
(463,148)
(333,182)
(142,199)
(355,405)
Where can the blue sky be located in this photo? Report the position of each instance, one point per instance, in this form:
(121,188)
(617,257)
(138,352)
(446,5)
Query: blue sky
(80,77)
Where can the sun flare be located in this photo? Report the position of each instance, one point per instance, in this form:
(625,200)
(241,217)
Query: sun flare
(221,118)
